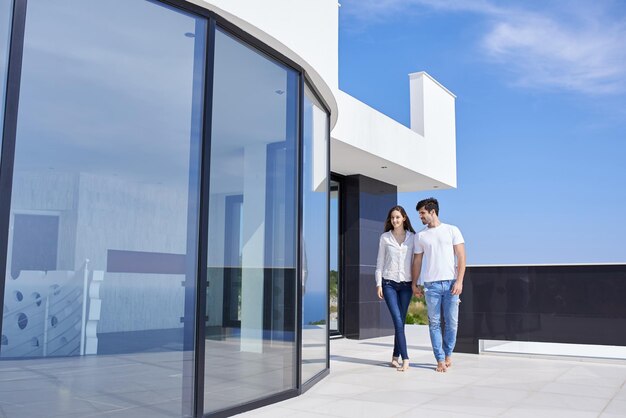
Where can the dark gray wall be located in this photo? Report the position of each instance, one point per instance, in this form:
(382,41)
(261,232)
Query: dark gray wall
(366,202)
(576,304)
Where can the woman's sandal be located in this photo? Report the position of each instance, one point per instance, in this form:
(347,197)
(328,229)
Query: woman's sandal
(405,366)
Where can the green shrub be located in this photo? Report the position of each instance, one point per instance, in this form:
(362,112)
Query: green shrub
(417,313)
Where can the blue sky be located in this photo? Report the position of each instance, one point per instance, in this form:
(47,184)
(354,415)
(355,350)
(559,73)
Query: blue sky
(540,113)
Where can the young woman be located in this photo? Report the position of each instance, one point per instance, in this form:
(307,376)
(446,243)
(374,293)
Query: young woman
(393,276)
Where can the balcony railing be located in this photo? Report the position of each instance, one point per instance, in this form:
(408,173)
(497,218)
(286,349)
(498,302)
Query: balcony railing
(576,304)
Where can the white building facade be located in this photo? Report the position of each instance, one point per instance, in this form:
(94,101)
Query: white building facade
(189,205)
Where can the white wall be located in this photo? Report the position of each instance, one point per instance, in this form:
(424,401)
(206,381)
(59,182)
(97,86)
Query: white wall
(364,140)
(305,31)
(433,116)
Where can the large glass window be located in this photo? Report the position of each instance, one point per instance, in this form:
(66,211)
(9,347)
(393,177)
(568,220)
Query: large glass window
(6,7)
(103,231)
(314,238)
(251,289)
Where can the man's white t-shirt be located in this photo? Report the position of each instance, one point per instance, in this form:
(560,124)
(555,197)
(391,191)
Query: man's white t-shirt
(437,245)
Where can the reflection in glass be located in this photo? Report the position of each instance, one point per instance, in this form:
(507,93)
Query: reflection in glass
(6,7)
(334,281)
(102,244)
(314,238)
(250,328)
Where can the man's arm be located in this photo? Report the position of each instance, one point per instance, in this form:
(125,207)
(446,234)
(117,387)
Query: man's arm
(459,252)
(416,269)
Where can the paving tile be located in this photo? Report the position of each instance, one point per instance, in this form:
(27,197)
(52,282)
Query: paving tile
(397,397)
(616,407)
(488,393)
(433,413)
(277,412)
(460,405)
(594,391)
(513,384)
(390,377)
(595,375)
(359,408)
(566,402)
(545,412)
(338,389)
(306,402)
(621,393)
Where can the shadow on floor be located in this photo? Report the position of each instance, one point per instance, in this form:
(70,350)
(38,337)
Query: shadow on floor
(413,347)
(379,363)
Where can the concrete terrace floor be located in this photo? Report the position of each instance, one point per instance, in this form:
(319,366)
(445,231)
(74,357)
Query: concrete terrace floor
(361,384)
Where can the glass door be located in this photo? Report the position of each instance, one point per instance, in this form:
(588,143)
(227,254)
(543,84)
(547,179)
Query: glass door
(250,344)
(335,305)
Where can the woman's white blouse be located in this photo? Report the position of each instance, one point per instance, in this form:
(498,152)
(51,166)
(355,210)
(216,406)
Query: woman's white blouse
(394,260)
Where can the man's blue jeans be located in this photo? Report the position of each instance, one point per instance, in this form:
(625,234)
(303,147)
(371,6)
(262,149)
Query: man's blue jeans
(438,296)
(398,297)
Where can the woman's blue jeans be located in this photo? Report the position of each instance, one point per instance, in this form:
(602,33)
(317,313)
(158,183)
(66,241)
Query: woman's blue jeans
(398,297)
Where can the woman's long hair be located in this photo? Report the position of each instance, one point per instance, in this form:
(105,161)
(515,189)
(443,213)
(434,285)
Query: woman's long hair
(407,221)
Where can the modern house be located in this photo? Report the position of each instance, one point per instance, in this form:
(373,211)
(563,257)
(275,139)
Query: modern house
(183,191)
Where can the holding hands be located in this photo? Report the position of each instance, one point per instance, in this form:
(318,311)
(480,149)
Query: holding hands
(417,290)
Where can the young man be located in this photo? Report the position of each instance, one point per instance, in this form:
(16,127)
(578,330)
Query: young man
(436,247)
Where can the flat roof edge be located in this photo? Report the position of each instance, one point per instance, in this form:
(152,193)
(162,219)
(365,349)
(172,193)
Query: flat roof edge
(422,73)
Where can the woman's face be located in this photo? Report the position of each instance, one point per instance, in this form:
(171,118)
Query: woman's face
(397,220)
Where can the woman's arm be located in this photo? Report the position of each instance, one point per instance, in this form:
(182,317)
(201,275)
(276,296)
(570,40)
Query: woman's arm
(380,264)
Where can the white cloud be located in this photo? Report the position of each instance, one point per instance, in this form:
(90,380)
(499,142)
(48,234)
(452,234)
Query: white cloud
(574,46)
(371,10)
(377,10)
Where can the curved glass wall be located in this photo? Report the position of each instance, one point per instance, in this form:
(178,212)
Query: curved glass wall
(251,290)
(6,8)
(314,237)
(102,255)
(102,263)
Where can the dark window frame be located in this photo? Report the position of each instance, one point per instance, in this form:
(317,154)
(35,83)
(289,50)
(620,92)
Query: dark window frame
(16,45)
(306,385)
(340,262)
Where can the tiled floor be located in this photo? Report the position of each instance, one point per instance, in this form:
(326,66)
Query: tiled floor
(362,385)
(139,385)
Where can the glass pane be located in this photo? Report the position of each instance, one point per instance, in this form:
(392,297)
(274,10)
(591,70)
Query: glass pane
(334,282)
(250,328)
(315,238)
(100,277)
(6,9)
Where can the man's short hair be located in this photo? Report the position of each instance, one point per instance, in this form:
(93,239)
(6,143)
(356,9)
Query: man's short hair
(428,204)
